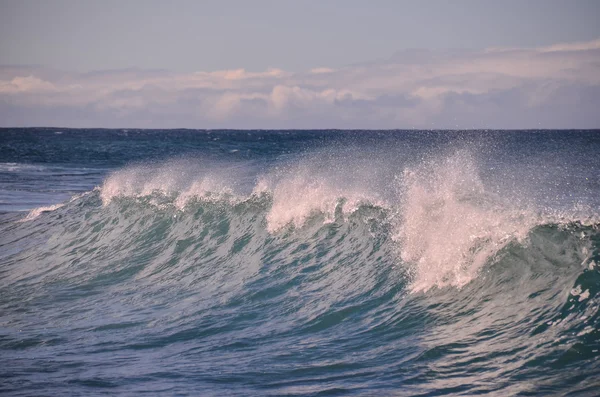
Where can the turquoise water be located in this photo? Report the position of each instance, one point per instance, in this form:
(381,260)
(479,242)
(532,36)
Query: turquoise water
(184,262)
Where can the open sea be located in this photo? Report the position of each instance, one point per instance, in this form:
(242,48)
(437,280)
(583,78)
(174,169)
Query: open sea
(299,263)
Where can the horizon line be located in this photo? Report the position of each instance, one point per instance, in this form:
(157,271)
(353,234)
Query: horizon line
(298,129)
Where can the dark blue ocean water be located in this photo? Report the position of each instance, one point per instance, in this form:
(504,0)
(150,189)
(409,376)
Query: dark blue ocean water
(184,262)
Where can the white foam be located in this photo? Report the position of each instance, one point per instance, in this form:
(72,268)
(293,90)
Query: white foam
(183,181)
(300,196)
(319,184)
(450,225)
(297,192)
(34,213)
(20,167)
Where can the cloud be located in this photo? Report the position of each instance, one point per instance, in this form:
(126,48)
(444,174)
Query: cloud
(550,87)
(25,84)
(579,46)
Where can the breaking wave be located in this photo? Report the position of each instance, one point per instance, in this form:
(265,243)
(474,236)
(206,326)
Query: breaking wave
(425,263)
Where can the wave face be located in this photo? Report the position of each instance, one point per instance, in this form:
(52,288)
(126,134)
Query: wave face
(302,263)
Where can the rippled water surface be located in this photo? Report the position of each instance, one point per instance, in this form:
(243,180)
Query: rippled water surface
(181,262)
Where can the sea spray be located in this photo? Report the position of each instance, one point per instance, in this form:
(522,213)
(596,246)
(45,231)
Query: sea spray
(450,225)
(259,264)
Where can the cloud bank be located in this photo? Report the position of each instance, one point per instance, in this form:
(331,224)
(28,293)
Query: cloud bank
(550,87)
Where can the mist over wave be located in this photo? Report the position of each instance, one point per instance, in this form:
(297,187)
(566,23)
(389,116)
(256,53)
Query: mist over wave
(388,268)
(446,223)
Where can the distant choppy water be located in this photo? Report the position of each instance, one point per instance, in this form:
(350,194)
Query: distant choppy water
(299,262)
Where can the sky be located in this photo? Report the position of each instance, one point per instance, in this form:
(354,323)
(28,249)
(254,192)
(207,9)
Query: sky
(300,64)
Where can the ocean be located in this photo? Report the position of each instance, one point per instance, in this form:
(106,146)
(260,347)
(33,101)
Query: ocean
(299,263)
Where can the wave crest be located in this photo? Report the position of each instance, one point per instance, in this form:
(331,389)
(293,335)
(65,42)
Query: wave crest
(446,221)
(451,225)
